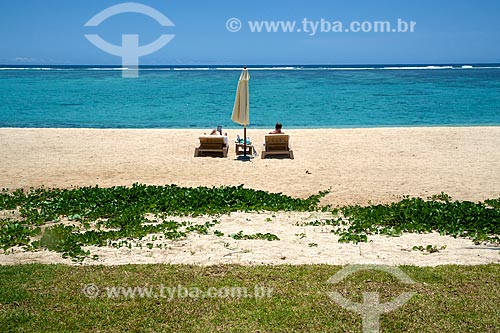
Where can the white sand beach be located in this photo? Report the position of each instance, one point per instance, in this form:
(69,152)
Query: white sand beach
(298,243)
(358,166)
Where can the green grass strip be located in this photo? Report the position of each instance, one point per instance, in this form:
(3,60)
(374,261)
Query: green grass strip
(50,298)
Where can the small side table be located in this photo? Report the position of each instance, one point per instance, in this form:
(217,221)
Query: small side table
(240,149)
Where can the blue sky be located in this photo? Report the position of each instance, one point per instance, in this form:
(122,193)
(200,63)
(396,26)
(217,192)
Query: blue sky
(52,32)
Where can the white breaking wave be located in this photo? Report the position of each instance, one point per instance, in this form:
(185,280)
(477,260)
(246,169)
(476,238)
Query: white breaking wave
(186,69)
(418,67)
(277,68)
(27,68)
(104,69)
(349,68)
(486,67)
(256,68)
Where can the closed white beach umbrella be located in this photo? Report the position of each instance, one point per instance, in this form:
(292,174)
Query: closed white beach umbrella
(241,109)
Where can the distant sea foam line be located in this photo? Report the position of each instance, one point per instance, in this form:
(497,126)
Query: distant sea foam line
(256,68)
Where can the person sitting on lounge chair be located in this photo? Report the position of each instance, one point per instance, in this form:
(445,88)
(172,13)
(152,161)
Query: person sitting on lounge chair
(277,129)
(218,131)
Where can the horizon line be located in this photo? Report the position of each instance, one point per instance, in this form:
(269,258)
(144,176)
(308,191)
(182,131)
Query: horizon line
(261,64)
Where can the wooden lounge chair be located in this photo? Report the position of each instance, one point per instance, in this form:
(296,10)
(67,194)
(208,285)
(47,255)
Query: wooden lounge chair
(211,145)
(277,144)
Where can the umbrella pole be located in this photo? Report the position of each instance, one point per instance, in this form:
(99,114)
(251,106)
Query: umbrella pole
(245,141)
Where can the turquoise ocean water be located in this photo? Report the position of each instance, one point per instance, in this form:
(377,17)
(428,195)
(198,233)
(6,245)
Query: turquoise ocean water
(203,97)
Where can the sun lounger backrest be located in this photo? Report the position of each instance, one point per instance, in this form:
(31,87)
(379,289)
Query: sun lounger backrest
(277,142)
(211,142)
